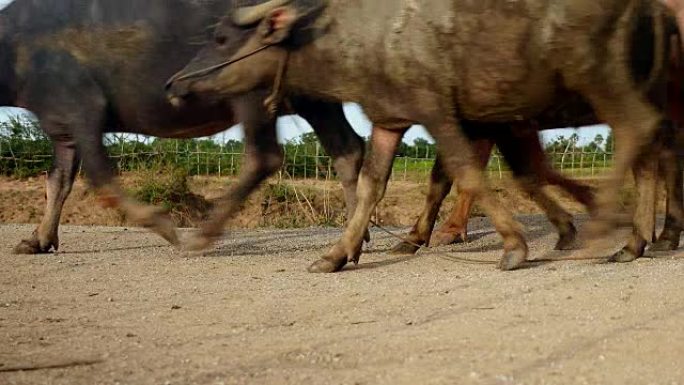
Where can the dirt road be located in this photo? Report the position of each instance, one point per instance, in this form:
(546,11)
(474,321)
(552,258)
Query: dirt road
(117,306)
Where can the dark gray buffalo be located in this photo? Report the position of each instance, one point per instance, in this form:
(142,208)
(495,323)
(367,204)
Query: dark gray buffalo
(87,67)
(440,63)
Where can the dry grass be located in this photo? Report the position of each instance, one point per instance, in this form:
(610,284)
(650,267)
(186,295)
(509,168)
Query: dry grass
(280,203)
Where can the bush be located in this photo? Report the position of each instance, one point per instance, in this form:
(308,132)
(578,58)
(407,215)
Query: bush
(168,187)
(23,148)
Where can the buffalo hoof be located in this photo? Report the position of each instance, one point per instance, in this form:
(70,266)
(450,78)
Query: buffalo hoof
(665,245)
(444,239)
(30,246)
(623,256)
(668,240)
(567,240)
(513,259)
(326,266)
(405,248)
(35,246)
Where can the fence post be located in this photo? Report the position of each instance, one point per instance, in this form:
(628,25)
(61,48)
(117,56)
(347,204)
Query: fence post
(221,152)
(318,150)
(405,168)
(329,176)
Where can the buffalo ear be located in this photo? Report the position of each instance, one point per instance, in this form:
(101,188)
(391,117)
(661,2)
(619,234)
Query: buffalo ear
(277,25)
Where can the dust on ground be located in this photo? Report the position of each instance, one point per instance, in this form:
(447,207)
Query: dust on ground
(118,306)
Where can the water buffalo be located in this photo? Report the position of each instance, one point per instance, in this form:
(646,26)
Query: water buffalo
(444,63)
(520,145)
(577,113)
(87,67)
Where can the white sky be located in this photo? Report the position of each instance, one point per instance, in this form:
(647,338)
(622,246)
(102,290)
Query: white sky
(291,126)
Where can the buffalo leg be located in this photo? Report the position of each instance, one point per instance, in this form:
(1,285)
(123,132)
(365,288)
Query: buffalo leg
(459,163)
(455,228)
(439,188)
(522,150)
(76,108)
(530,147)
(671,169)
(371,188)
(643,231)
(263,157)
(99,172)
(634,124)
(340,142)
(58,187)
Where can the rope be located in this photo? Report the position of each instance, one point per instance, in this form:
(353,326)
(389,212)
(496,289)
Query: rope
(208,70)
(454,258)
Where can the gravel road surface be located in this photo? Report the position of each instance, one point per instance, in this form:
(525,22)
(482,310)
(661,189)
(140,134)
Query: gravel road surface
(118,306)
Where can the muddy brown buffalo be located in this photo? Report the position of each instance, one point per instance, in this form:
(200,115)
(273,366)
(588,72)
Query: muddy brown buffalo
(448,62)
(671,158)
(88,67)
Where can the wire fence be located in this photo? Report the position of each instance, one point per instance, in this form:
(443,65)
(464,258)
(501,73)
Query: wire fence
(302,160)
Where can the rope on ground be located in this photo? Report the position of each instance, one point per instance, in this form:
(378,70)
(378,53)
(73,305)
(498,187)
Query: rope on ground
(442,255)
(454,258)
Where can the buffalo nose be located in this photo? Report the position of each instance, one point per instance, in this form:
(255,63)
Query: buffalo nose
(176,92)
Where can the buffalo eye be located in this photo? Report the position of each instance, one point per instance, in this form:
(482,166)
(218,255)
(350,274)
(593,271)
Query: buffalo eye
(220,40)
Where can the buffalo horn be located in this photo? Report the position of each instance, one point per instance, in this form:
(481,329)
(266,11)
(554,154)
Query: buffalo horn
(250,15)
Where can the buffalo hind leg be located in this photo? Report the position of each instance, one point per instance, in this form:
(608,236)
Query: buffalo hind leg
(341,143)
(523,151)
(634,124)
(371,188)
(111,195)
(57,188)
(75,108)
(101,176)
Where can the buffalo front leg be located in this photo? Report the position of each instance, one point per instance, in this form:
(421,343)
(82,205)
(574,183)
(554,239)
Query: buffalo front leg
(263,157)
(258,166)
(371,189)
(440,185)
(57,189)
(459,162)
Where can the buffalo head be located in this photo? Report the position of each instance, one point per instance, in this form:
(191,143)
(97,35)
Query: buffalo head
(246,51)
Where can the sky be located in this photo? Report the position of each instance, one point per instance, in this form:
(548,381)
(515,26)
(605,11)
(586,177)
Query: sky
(290,127)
